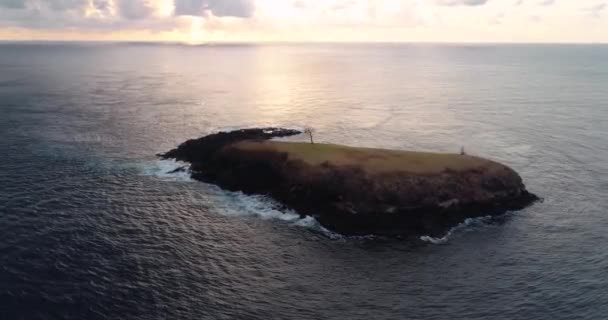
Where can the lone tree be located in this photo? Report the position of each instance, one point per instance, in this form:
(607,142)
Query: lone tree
(310,131)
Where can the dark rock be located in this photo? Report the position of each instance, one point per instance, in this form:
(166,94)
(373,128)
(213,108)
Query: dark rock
(180,169)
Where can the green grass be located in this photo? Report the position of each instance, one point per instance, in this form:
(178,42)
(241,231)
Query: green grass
(372,160)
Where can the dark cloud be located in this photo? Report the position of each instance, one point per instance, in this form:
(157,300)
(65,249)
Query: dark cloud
(135,9)
(72,14)
(39,13)
(12,4)
(218,8)
(57,5)
(102,5)
(453,3)
(112,14)
(61,5)
(128,9)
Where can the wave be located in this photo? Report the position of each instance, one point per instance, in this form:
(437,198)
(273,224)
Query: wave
(236,203)
(264,207)
(167,170)
(467,225)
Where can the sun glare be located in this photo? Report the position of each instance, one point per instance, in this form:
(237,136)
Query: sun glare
(276,9)
(197,33)
(166,8)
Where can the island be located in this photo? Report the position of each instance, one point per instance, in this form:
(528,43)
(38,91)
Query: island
(356,191)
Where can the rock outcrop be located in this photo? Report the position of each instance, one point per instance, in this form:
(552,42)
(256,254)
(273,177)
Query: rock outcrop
(357,191)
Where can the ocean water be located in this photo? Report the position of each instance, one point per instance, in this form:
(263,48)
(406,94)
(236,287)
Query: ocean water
(93,227)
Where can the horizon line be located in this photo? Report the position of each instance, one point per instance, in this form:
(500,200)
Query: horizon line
(287,42)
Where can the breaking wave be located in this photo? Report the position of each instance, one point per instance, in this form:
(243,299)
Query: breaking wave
(240,204)
(468,224)
(168,170)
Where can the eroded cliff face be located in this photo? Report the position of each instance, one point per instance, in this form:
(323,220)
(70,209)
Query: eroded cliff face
(348,199)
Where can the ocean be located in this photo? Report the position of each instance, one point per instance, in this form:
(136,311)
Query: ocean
(93,227)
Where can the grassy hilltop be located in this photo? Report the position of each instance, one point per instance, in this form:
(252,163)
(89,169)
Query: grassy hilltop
(371,160)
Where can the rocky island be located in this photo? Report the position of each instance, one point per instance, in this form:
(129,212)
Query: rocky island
(356,191)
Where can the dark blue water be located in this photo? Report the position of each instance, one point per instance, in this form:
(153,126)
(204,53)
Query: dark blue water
(92,227)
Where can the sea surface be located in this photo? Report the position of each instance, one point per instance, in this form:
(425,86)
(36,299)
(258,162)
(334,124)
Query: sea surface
(93,227)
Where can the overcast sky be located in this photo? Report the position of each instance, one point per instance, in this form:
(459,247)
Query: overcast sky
(306,20)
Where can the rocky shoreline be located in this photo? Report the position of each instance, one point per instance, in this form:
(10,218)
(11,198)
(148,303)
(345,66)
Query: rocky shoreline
(349,198)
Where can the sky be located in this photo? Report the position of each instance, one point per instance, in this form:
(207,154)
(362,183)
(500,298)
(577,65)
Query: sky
(201,21)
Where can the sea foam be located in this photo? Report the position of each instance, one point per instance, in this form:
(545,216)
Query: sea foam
(166,170)
(468,224)
(240,204)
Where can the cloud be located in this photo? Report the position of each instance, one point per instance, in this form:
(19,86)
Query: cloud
(55,5)
(596,10)
(48,13)
(302,20)
(85,14)
(299,4)
(218,8)
(453,3)
(12,4)
(60,5)
(136,9)
(102,4)
(498,19)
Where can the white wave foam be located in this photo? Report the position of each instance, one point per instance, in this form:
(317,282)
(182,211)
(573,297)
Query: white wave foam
(468,224)
(165,170)
(435,240)
(240,204)
(312,224)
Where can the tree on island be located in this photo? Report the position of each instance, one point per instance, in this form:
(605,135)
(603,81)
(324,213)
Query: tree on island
(310,131)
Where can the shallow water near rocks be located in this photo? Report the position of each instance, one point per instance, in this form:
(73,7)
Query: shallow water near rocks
(93,227)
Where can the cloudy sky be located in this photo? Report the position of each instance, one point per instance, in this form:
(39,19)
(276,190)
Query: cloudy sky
(306,20)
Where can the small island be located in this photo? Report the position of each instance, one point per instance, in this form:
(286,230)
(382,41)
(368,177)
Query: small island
(356,191)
